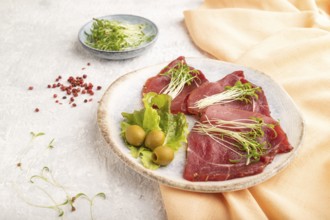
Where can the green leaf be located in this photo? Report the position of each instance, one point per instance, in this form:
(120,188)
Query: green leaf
(151,119)
(34,135)
(61,213)
(45,169)
(176,132)
(38,177)
(83,195)
(134,118)
(235,161)
(100,195)
(135,151)
(162,101)
(146,159)
(156,114)
(64,203)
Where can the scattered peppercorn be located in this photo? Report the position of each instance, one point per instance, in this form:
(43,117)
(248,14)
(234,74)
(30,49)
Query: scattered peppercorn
(36,110)
(30,88)
(74,87)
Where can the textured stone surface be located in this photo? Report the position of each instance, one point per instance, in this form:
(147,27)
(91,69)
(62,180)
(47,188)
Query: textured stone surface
(38,43)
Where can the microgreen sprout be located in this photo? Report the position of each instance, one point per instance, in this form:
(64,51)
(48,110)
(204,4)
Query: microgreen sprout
(244,92)
(181,74)
(51,144)
(26,150)
(35,135)
(47,176)
(45,181)
(91,200)
(112,35)
(241,136)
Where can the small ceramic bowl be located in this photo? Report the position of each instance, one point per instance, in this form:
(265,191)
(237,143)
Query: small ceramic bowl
(150,30)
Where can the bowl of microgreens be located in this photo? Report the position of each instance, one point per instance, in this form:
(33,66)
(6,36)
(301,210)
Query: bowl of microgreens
(117,37)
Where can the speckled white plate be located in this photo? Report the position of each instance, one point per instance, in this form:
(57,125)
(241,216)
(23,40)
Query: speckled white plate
(124,95)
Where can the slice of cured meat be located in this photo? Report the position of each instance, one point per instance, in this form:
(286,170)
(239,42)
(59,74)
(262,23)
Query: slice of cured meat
(210,159)
(159,83)
(210,88)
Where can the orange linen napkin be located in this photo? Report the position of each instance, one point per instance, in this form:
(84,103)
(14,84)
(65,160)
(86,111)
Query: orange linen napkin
(288,40)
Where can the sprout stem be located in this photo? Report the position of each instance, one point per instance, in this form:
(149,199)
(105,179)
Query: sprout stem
(245,133)
(180,74)
(239,92)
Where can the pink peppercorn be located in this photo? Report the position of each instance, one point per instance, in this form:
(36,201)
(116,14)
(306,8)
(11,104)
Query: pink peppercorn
(76,86)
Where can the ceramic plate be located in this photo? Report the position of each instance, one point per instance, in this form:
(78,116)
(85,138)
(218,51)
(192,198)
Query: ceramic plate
(149,30)
(124,95)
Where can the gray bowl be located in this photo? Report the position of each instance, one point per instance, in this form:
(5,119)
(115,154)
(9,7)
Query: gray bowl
(150,29)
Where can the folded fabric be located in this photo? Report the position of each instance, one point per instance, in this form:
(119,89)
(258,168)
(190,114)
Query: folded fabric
(288,40)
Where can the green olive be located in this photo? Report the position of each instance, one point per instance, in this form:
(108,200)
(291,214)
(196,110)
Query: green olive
(154,139)
(162,155)
(135,135)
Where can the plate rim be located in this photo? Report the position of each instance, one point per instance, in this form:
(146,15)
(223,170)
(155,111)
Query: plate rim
(212,186)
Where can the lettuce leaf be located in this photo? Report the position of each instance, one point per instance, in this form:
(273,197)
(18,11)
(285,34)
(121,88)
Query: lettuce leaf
(146,159)
(156,114)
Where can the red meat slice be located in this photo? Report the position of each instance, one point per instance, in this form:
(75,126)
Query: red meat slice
(159,82)
(207,89)
(209,160)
